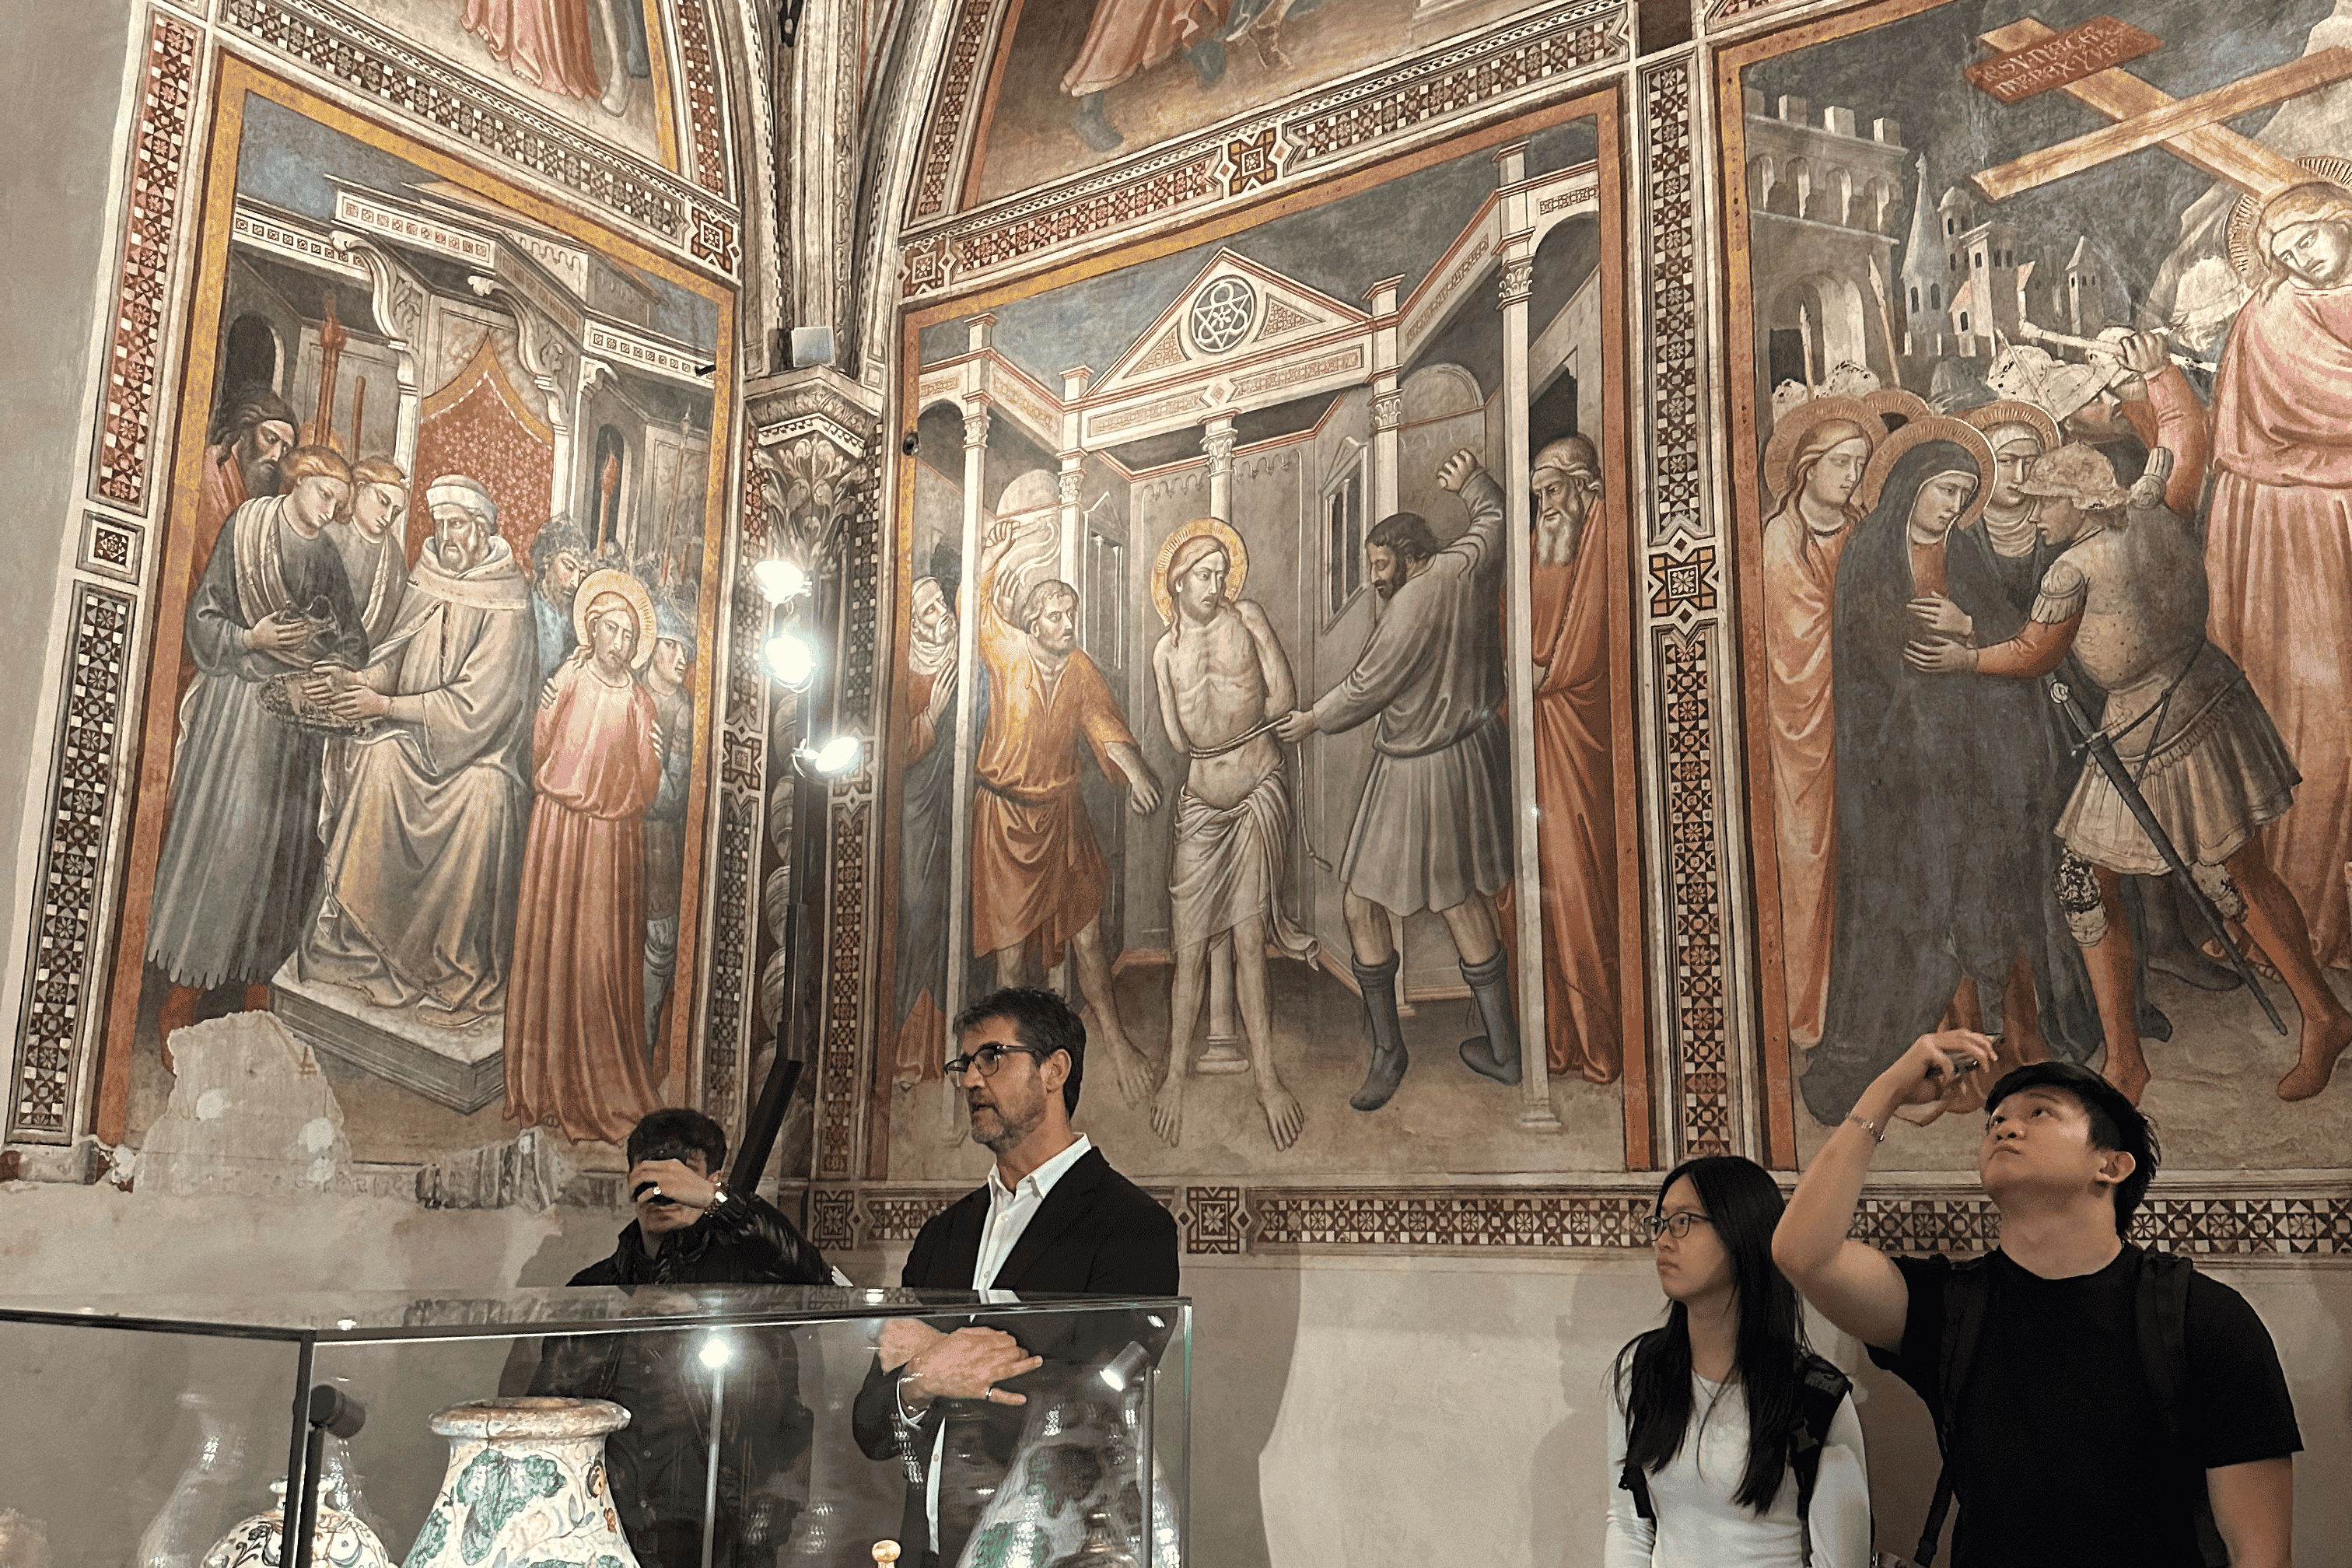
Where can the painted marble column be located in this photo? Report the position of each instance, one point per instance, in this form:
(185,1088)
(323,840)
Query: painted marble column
(975,477)
(1224,1053)
(1387,402)
(1518,257)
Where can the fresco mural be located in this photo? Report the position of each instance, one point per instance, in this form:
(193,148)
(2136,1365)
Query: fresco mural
(1078,82)
(599,65)
(1222,665)
(2038,372)
(428,687)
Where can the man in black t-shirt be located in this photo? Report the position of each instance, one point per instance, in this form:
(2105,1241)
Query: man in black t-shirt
(2060,1447)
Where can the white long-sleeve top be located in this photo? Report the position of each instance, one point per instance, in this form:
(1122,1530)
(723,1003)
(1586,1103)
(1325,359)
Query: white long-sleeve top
(1699,1526)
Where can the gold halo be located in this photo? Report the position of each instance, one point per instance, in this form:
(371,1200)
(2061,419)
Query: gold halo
(2248,213)
(1236,555)
(1889,400)
(1917,433)
(1988,417)
(1789,433)
(610,580)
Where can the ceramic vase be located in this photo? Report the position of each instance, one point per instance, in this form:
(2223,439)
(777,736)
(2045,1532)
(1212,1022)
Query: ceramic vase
(339,1542)
(525,1484)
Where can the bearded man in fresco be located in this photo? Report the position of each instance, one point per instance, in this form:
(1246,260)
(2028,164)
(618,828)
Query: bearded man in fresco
(1037,875)
(1434,830)
(1222,673)
(422,868)
(1576,830)
(2275,550)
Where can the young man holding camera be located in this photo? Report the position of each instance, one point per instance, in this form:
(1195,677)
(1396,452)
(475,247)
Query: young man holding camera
(2097,1403)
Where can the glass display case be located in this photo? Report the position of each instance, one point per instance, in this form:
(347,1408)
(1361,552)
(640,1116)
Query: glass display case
(672,1427)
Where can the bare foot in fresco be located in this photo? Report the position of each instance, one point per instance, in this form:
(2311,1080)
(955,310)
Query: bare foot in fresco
(1134,1072)
(2323,1039)
(1167,1108)
(1284,1118)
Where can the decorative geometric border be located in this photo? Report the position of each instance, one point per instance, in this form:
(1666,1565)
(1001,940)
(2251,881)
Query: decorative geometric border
(1678,476)
(933,180)
(344,48)
(159,150)
(2304,1223)
(83,791)
(111,546)
(701,81)
(1511,65)
(1698,1093)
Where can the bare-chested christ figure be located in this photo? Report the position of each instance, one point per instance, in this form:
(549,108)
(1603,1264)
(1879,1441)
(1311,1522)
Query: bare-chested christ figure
(1222,679)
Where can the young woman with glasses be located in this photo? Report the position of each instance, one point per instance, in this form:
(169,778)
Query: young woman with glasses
(1717,1417)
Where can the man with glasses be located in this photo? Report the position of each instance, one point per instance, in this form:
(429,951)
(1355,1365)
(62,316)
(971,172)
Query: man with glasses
(1052,1218)
(2094,1402)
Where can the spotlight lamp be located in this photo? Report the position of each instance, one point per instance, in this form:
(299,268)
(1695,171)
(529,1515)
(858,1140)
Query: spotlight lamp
(831,760)
(790,658)
(780,581)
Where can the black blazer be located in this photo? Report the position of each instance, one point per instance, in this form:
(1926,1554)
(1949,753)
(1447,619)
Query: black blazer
(1096,1234)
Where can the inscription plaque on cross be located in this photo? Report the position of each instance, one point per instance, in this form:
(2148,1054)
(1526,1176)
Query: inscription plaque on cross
(2085,62)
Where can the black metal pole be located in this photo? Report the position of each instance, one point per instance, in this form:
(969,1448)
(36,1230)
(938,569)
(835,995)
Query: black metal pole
(296,1447)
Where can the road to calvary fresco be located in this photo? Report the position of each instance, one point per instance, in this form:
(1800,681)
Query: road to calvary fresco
(424,698)
(2047,385)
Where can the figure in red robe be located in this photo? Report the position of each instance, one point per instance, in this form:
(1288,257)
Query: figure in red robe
(1576,837)
(2278,543)
(576,998)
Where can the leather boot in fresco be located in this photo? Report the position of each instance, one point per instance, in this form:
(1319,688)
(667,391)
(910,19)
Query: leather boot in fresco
(1495,1053)
(1379,983)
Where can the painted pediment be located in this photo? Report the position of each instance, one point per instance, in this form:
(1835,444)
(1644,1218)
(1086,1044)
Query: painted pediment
(1232,310)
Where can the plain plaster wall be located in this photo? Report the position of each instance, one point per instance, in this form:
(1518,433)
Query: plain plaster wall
(60,95)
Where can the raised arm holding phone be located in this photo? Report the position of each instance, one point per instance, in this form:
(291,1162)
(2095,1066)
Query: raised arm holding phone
(2095,1403)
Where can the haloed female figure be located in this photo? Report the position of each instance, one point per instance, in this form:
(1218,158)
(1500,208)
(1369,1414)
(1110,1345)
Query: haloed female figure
(1803,542)
(575,1001)
(1706,1411)
(1948,792)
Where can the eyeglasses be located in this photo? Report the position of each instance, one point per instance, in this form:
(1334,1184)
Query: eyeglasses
(1676,1224)
(988,1058)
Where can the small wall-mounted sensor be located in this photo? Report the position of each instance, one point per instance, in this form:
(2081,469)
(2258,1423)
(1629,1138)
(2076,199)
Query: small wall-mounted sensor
(811,345)
(910,443)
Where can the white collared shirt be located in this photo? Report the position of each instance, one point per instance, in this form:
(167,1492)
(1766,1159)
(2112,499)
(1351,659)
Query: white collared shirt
(1010,1210)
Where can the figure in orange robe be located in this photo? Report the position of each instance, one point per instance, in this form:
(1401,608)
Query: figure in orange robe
(2278,543)
(1037,875)
(575,997)
(1576,835)
(1803,544)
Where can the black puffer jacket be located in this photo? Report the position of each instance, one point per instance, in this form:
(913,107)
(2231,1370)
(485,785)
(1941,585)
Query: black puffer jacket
(660,1463)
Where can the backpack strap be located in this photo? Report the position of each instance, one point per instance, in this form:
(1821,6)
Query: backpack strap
(1632,1479)
(2161,1307)
(1821,1389)
(1967,1293)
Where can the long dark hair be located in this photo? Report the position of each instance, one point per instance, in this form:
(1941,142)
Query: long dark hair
(1743,1205)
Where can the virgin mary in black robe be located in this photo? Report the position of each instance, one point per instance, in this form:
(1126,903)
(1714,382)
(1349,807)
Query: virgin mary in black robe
(1949,794)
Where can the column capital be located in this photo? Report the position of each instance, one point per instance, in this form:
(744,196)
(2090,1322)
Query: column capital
(1217,437)
(975,423)
(1388,410)
(1516,283)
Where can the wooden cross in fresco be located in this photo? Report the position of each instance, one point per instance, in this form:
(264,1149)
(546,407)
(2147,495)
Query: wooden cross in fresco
(2192,128)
